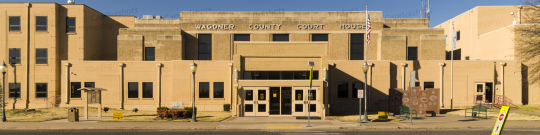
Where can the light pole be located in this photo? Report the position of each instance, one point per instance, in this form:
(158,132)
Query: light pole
(365,68)
(3,68)
(193,113)
(311,64)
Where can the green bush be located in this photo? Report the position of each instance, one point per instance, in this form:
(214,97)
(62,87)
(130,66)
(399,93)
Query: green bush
(226,107)
(189,110)
(163,108)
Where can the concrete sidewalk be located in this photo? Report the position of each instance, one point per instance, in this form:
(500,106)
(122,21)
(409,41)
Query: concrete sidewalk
(439,122)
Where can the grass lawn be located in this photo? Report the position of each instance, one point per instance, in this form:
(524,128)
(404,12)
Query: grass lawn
(47,114)
(532,108)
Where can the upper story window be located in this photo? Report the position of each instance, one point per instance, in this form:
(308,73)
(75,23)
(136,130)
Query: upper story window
(412,53)
(279,75)
(241,37)
(41,23)
(14,55)
(14,23)
(149,53)
(41,56)
(357,46)
(319,37)
(205,46)
(70,25)
(280,37)
(429,85)
(458,35)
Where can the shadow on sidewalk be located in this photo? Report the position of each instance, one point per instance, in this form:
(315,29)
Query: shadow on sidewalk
(444,111)
(468,120)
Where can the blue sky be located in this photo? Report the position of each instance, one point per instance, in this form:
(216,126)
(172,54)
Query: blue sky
(441,10)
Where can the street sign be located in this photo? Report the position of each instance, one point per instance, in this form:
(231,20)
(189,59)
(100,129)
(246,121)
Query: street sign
(118,116)
(360,94)
(499,124)
(412,79)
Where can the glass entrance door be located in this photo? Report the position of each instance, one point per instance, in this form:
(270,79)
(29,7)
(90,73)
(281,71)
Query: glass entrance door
(300,102)
(256,101)
(480,96)
(489,92)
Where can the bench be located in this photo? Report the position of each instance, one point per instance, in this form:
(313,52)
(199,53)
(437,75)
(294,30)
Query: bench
(405,110)
(476,111)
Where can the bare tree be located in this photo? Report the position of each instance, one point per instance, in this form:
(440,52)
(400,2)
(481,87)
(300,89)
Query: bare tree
(527,39)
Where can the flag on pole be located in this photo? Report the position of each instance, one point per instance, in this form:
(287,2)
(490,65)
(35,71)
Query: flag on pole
(368,31)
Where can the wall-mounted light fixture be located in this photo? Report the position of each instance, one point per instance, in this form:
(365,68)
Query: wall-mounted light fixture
(324,74)
(236,75)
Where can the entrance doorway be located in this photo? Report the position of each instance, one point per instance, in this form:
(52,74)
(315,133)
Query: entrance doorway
(266,101)
(484,92)
(300,103)
(489,92)
(256,101)
(274,100)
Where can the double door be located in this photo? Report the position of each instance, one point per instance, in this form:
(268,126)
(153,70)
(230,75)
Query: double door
(305,101)
(256,101)
(484,92)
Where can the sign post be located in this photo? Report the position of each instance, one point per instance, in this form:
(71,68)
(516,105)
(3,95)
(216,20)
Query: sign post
(118,116)
(412,81)
(499,124)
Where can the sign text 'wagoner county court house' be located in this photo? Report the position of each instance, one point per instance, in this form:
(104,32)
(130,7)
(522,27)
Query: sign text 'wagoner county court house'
(274,26)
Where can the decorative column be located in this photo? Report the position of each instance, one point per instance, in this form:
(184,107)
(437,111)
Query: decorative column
(442,83)
(502,80)
(68,88)
(121,87)
(159,84)
(403,65)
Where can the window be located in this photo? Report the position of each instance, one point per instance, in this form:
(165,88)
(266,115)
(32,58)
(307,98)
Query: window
(41,23)
(218,89)
(355,87)
(14,23)
(74,92)
(343,89)
(416,84)
(319,37)
(241,37)
(89,84)
(14,90)
(458,35)
(70,25)
(15,55)
(148,90)
(249,95)
(312,95)
(357,46)
(41,56)
(41,90)
(133,90)
(149,54)
(205,47)
(466,57)
(280,37)
(429,85)
(412,53)
(204,90)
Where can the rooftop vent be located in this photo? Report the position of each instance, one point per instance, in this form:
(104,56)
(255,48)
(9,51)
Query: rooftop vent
(148,17)
(71,1)
(158,17)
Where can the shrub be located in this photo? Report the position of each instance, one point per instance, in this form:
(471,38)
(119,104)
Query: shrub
(226,107)
(189,110)
(162,113)
(163,108)
(174,114)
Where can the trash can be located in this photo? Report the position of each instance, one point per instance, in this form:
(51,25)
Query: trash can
(73,114)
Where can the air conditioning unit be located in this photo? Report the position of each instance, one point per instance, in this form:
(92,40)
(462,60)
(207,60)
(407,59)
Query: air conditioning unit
(71,1)
(158,17)
(148,17)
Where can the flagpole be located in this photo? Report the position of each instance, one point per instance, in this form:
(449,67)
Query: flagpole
(365,63)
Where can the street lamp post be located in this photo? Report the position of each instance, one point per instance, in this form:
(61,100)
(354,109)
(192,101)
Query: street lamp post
(193,113)
(311,64)
(365,68)
(3,68)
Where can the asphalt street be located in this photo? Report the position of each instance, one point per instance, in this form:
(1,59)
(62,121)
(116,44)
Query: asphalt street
(274,132)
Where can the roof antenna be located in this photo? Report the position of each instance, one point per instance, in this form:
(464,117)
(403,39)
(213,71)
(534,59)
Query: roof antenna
(426,9)
(71,1)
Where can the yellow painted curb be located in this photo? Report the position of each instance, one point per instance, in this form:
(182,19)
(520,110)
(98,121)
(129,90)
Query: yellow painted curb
(283,127)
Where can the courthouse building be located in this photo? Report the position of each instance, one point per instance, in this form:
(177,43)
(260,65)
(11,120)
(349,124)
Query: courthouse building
(255,61)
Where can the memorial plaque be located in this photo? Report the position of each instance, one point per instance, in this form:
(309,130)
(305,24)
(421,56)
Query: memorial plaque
(93,97)
(177,106)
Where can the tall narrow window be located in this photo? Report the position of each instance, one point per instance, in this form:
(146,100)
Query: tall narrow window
(15,55)
(149,54)
(357,46)
(14,90)
(343,89)
(148,89)
(458,36)
(355,87)
(41,23)
(205,46)
(89,84)
(412,53)
(74,92)
(15,23)
(218,89)
(241,37)
(41,90)
(280,37)
(319,37)
(204,90)
(41,56)
(133,90)
(70,25)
